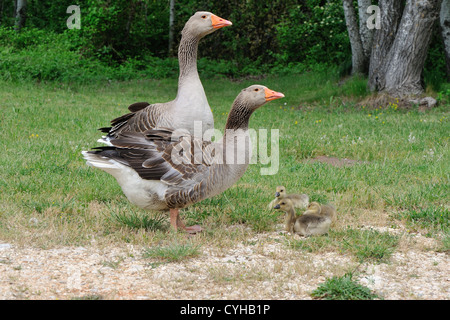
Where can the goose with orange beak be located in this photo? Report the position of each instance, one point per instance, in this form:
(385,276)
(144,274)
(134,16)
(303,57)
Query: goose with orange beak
(157,171)
(190,104)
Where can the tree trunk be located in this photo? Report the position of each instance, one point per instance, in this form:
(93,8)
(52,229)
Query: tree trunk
(445,29)
(409,50)
(359,62)
(390,11)
(365,33)
(171,25)
(21,15)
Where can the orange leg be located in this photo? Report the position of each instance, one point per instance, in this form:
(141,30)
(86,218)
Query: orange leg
(176,222)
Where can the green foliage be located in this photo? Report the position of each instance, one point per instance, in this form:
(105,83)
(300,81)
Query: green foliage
(123,40)
(343,288)
(321,37)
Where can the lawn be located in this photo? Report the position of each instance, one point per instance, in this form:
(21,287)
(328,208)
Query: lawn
(400,177)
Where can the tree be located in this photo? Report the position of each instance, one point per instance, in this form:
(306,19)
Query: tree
(171,25)
(366,33)
(445,29)
(359,60)
(400,46)
(390,12)
(406,59)
(21,14)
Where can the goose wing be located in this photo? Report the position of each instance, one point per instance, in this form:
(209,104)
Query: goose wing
(143,116)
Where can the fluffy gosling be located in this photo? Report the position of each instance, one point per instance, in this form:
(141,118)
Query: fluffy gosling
(300,201)
(306,225)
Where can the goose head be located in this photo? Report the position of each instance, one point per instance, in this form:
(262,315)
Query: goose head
(257,95)
(203,23)
(284,205)
(314,207)
(280,192)
(247,101)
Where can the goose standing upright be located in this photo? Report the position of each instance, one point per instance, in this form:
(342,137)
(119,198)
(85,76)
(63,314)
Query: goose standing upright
(163,170)
(190,103)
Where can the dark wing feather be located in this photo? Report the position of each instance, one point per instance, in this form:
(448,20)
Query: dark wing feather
(178,158)
(138,106)
(143,116)
(150,155)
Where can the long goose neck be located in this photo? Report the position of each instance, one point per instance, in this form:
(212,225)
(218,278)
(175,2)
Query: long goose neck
(187,57)
(239,115)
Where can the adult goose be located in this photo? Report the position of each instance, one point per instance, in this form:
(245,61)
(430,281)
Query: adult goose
(166,169)
(190,103)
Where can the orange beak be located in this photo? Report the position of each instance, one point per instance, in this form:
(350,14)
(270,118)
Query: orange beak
(272,95)
(218,22)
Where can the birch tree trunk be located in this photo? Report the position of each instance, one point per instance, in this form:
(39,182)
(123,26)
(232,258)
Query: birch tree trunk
(409,50)
(171,25)
(366,34)
(445,29)
(390,11)
(21,16)
(359,62)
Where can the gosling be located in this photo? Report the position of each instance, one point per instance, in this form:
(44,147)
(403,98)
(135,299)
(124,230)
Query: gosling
(322,210)
(307,224)
(300,201)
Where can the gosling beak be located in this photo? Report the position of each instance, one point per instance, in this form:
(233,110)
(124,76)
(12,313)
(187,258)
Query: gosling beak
(277,194)
(277,206)
(218,22)
(272,95)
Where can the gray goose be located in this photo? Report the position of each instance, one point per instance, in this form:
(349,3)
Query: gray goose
(190,103)
(298,200)
(167,169)
(307,224)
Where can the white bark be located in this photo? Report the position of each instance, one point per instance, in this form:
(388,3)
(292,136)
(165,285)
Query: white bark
(358,58)
(445,29)
(171,24)
(20,14)
(365,33)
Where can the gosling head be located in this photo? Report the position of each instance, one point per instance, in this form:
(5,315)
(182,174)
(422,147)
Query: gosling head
(280,192)
(203,23)
(314,207)
(284,205)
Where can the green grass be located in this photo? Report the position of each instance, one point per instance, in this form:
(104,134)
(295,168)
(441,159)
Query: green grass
(343,288)
(173,252)
(50,197)
(364,245)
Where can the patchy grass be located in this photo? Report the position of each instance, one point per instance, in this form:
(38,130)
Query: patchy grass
(173,252)
(50,197)
(343,288)
(364,245)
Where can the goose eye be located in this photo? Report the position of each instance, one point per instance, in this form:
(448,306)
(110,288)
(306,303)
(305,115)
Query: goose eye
(203,16)
(256,89)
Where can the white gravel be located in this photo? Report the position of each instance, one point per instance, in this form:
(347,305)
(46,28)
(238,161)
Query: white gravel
(264,269)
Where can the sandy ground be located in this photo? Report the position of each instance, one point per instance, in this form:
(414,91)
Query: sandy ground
(262,268)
